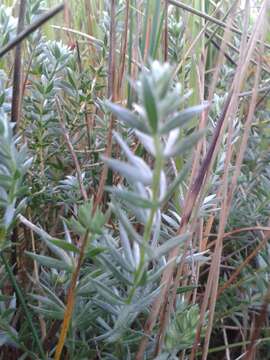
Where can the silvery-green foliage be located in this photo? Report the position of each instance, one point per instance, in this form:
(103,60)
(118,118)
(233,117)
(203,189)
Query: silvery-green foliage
(68,190)
(5,93)
(8,335)
(8,25)
(14,163)
(176,29)
(158,125)
(122,266)
(54,73)
(181,331)
(83,224)
(48,76)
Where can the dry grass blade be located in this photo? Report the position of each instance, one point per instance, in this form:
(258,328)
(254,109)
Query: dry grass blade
(197,38)
(96,42)
(17,75)
(212,283)
(215,265)
(250,354)
(239,160)
(213,151)
(112,96)
(166,4)
(123,53)
(70,301)
(31,28)
(247,260)
(207,17)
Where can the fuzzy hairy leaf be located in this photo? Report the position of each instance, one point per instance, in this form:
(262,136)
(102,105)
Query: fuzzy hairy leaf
(50,262)
(182,118)
(127,116)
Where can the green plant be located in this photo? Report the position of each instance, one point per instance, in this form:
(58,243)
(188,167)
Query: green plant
(135,227)
(126,273)
(14,166)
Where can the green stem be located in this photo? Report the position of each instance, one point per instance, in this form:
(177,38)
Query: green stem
(149,224)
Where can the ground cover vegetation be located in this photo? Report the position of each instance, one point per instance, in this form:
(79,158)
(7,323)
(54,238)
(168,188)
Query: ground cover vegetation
(134,179)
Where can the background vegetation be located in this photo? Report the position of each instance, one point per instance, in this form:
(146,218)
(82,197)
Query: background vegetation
(134,194)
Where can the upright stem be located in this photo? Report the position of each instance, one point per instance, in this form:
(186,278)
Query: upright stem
(149,224)
(166,4)
(17,74)
(70,300)
(111,95)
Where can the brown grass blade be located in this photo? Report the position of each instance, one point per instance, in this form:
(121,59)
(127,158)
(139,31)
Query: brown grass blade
(17,74)
(212,283)
(112,96)
(31,28)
